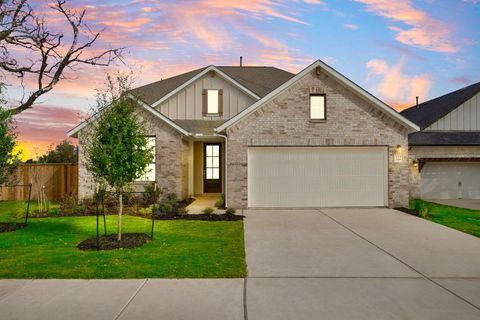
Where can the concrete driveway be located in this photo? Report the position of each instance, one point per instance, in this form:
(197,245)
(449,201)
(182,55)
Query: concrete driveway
(358,264)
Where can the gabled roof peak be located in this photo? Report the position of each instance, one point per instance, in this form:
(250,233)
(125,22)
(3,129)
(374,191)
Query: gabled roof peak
(257,81)
(335,74)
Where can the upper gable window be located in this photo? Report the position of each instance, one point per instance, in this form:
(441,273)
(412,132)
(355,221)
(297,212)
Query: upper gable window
(318,107)
(212,101)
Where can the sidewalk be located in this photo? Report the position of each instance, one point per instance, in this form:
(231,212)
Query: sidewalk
(122,299)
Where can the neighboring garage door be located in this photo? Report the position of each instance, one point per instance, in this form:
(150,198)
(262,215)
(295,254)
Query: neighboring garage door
(450,180)
(317,176)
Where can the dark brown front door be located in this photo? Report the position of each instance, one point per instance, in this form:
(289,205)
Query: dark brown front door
(212,173)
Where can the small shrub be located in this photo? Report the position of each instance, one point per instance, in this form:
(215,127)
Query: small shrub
(182,211)
(165,207)
(152,193)
(86,205)
(133,200)
(208,210)
(422,209)
(54,211)
(230,211)
(147,211)
(19,212)
(171,198)
(80,207)
(220,204)
(69,203)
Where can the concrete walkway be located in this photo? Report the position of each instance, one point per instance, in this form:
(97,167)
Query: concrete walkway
(473,204)
(121,299)
(303,264)
(203,201)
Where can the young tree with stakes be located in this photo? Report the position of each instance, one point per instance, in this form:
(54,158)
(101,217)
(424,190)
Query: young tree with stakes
(116,145)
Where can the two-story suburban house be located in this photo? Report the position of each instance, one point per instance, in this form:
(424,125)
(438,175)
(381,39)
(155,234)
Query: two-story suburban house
(446,151)
(269,138)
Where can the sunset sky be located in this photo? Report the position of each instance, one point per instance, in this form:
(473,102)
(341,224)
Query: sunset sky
(395,49)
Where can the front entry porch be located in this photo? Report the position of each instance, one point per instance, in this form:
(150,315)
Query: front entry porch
(206,168)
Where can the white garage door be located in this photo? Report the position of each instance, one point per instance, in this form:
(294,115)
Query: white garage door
(450,180)
(317,176)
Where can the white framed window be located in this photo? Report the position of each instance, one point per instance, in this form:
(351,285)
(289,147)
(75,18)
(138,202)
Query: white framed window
(318,110)
(212,101)
(212,158)
(150,170)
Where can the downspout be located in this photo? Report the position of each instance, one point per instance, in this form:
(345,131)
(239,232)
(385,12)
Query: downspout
(226,169)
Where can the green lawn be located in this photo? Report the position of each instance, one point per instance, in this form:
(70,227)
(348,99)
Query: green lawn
(46,248)
(465,220)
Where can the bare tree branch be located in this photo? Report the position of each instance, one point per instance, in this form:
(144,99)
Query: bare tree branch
(21,29)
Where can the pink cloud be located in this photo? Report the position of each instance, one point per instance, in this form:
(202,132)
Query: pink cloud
(396,87)
(318,2)
(128,24)
(43,125)
(351,26)
(423,31)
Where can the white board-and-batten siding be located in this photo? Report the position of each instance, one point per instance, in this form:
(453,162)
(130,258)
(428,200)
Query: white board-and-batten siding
(187,104)
(464,118)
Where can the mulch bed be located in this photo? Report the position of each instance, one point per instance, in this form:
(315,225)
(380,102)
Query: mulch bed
(413,212)
(10,226)
(202,217)
(109,242)
(64,214)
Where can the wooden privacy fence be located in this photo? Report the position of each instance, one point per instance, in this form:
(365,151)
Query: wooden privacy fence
(56,179)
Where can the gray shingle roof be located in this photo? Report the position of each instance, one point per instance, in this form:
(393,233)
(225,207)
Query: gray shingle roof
(444,138)
(204,127)
(432,110)
(153,92)
(259,80)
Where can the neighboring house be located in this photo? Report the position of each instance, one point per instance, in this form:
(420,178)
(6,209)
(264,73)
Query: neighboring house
(269,138)
(447,149)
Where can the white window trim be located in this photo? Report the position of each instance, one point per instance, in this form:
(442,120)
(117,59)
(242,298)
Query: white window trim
(324,96)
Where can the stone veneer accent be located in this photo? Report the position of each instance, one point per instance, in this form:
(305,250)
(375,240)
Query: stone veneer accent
(417,152)
(172,150)
(285,121)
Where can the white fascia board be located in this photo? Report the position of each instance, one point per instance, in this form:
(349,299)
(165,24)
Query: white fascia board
(198,76)
(160,115)
(369,96)
(73,132)
(82,125)
(335,74)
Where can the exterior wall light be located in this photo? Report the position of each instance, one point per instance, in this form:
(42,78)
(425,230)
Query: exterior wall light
(398,148)
(415,163)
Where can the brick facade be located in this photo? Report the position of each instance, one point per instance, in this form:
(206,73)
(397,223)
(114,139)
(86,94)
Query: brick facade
(285,121)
